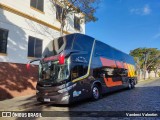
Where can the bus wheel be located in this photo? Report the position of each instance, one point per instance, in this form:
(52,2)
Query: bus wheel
(131,84)
(95,92)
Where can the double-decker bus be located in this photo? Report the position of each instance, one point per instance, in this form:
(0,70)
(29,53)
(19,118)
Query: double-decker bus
(76,67)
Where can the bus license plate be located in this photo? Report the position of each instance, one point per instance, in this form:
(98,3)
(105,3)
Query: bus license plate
(46,99)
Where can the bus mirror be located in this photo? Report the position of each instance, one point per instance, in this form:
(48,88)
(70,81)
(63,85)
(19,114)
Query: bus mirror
(28,66)
(29,63)
(61,59)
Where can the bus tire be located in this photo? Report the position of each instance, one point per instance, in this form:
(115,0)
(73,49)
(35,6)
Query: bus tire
(96,93)
(131,84)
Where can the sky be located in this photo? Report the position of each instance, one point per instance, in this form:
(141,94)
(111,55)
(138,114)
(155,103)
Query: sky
(127,24)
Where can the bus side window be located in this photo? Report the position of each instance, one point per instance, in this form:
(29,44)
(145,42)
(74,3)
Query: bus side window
(123,72)
(83,43)
(78,71)
(99,50)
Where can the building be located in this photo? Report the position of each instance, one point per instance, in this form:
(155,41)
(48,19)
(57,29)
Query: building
(26,27)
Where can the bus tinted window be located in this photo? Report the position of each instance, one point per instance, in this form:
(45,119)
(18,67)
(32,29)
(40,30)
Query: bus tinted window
(103,50)
(82,43)
(118,55)
(56,46)
(76,42)
(78,71)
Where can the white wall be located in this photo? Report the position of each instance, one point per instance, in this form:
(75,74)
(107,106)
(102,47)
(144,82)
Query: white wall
(21,28)
(49,15)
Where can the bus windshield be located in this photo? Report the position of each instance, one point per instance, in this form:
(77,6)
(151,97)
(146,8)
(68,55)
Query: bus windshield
(52,70)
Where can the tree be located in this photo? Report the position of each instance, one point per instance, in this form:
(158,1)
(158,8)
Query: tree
(148,58)
(86,8)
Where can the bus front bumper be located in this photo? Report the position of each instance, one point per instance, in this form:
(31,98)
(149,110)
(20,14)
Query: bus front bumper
(63,98)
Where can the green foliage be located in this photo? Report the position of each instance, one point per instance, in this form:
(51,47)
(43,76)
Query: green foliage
(149,57)
(87,8)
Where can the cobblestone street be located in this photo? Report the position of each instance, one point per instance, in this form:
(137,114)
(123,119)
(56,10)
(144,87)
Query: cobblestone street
(145,97)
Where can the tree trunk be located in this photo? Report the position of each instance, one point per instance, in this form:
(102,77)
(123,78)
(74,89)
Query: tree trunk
(61,31)
(144,72)
(156,72)
(62,21)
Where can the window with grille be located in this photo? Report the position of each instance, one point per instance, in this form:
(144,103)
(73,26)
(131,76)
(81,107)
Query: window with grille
(76,23)
(3,40)
(34,47)
(38,4)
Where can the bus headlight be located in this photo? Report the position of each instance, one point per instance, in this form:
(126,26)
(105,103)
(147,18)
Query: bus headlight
(65,98)
(67,88)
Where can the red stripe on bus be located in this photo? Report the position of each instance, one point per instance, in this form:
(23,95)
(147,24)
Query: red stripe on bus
(119,64)
(110,83)
(108,62)
(125,66)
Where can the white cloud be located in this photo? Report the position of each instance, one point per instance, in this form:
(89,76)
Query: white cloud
(157,36)
(134,10)
(146,10)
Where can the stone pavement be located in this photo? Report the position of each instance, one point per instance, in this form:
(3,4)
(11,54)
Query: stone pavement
(144,97)
(29,101)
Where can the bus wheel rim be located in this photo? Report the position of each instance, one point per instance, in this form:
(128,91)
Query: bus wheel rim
(130,86)
(95,92)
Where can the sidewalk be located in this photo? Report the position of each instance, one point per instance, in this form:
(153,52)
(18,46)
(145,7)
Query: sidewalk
(142,80)
(19,103)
